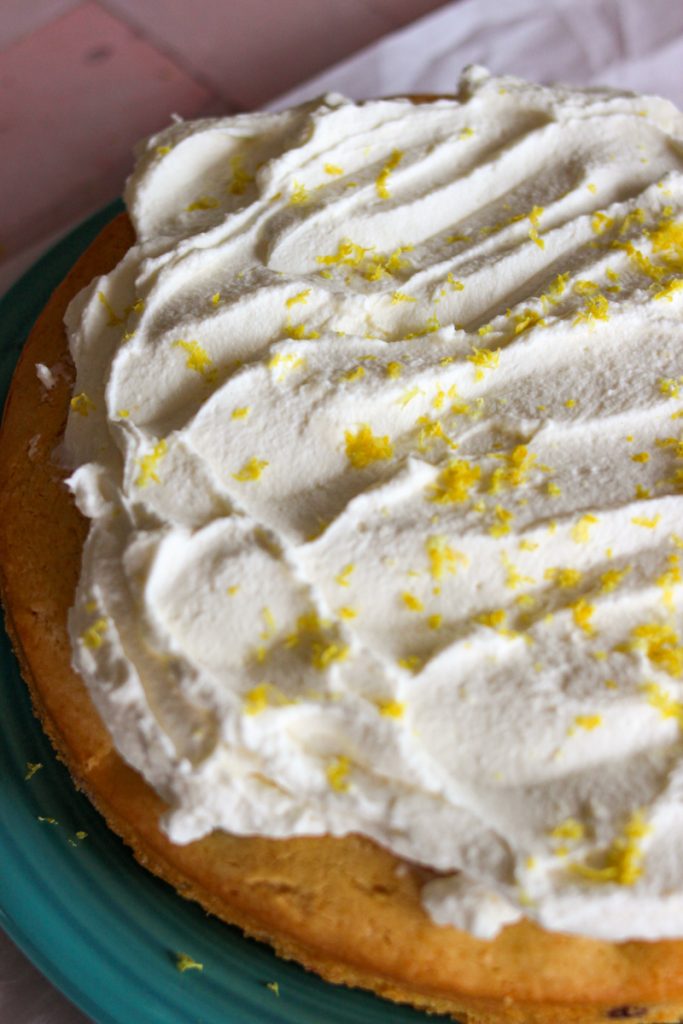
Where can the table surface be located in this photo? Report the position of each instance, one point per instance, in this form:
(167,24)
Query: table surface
(81,81)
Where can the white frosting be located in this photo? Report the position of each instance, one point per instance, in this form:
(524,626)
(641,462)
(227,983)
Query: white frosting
(440,344)
(45,376)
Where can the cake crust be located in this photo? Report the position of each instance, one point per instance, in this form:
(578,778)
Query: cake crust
(342,907)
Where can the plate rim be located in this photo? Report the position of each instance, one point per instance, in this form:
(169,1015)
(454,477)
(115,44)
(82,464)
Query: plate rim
(17,318)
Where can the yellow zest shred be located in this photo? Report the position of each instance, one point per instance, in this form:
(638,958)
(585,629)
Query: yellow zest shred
(582,613)
(332,169)
(93,636)
(669,387)
(534,218)
(455,482)
(528,545)
(198,359)
(457,286)
(660,699)
(432,325)
(587,722)
(412,662)
(264,696)
(527,319)
(661,645)
(203,203)
(483,359)
(240,176)
(493,619)
(394,370)
(430,430)
(81,404)
(669,289)
(501,526)
(584,287)
(285,362)
(413,603)
(612,578)
(343,578)
(251,470)
(555,290)
(348,254)
(269,623)
(338,772)
(299,331)
(300,297)
(355,374)
(299,194)
(600,222)
(383,176)
(241,413)
(570,829)
(323,654)
(149,463)
(580,532)
(623,859)
(256,700)
(595,308)
(443,559)
(648,524)
(513,577)
(184,963)
(363,448)
(391,708)
(113,319)
(517,465)
(669,579)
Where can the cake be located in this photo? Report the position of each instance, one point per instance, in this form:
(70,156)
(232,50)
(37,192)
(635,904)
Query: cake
(360,619)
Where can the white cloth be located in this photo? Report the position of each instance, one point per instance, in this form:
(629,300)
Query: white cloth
(629,44)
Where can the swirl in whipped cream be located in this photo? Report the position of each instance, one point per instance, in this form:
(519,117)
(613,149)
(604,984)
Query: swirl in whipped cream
(380,429)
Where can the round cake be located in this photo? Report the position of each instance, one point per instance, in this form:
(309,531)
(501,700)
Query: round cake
(341,531)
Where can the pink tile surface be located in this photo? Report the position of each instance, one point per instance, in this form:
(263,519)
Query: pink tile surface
(400,12)
(77,94)
(20,17)
(248,51)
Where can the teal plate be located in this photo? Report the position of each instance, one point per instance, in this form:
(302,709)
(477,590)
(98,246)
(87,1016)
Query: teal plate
(104,930)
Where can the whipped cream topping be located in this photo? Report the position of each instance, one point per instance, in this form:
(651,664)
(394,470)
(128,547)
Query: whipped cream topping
(380,429)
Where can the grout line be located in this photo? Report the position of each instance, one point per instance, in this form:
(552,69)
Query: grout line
(175,56)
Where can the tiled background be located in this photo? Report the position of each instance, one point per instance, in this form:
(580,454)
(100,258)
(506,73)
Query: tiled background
(80,82)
